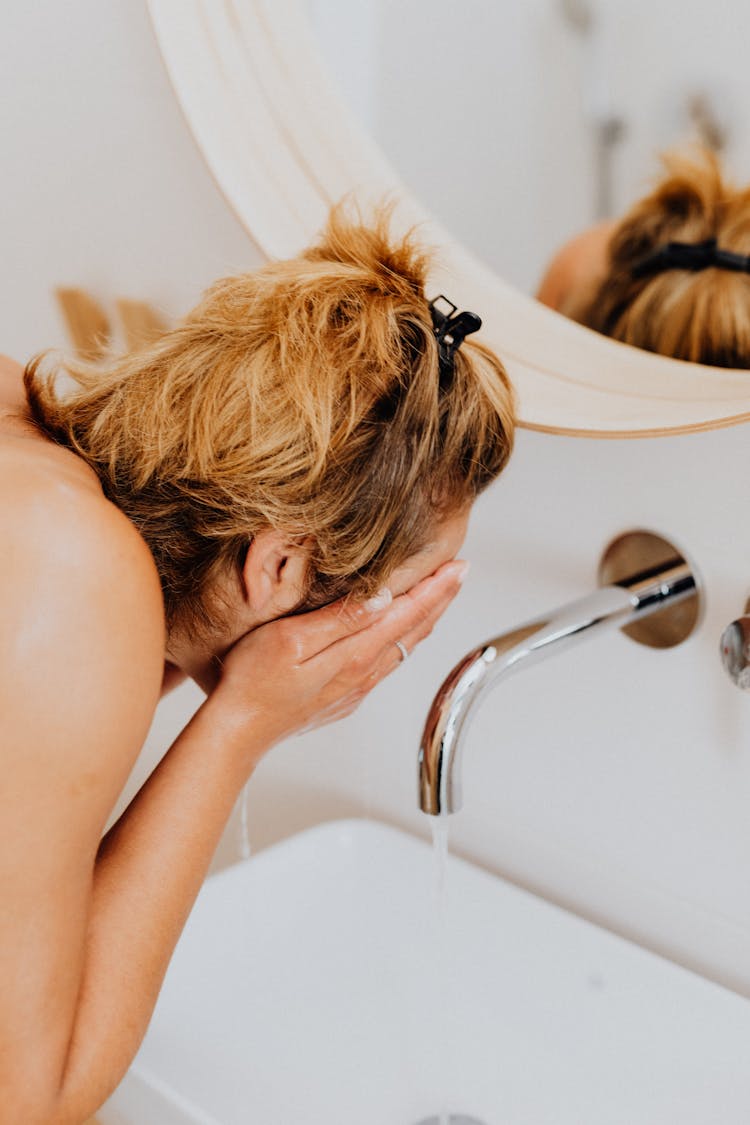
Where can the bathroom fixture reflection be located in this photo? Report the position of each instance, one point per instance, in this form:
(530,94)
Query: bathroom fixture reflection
(281,157)
(648,589)
(708,119)
(608,127)
(91,331)
(735,650)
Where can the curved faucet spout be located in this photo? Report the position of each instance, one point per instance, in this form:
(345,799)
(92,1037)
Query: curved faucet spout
(617,606)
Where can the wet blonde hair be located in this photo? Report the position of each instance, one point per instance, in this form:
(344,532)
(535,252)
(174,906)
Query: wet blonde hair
(702,316)
(303,397)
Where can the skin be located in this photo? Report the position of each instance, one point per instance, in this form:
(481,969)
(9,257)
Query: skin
(580,263)
(89,923)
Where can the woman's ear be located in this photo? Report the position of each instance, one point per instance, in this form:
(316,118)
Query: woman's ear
(274,574)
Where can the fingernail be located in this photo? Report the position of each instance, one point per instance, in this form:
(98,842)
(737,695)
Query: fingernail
(462,570)
(380,600)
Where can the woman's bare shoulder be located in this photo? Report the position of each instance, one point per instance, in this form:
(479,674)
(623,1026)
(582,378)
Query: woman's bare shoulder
(79,598)
(52,508)
(10,369)
(49,495)
(576,265)
(7,362)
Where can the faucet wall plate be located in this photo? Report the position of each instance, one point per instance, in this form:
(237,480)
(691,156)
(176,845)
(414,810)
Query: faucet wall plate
(641,550)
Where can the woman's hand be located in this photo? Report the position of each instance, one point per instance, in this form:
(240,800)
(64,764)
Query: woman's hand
(301,672)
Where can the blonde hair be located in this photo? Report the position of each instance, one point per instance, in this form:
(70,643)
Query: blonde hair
(702,316)
(303,397)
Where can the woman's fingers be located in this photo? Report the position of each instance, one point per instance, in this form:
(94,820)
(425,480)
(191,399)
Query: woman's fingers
(410,618)
(388,659)
(392,657)
(411,638)
(310,633)
(414,614)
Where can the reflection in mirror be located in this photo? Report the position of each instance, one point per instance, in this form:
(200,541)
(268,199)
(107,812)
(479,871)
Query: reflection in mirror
(521,125)
(671,275)
(576,99)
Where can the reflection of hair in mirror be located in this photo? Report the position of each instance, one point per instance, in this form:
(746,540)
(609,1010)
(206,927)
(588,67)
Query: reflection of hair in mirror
(701,315)
(303,397)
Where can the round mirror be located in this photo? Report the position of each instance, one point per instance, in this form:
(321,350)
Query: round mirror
(501,128)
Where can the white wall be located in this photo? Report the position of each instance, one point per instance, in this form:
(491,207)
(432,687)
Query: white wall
(480,109)
(616,780)
(102,186)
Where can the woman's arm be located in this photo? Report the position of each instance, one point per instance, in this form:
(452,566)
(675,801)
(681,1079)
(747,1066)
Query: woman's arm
(87,928)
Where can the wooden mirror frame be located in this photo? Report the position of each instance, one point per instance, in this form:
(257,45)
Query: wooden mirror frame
(283,146)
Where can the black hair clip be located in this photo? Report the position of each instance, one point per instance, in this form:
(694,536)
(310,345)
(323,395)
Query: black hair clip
(691,256)
(451,329)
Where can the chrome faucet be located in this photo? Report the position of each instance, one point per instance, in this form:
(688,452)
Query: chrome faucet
(642,576)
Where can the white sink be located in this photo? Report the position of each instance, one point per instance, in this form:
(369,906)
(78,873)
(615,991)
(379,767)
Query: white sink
(315,985)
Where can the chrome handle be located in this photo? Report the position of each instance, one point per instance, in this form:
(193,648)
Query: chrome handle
(735,650)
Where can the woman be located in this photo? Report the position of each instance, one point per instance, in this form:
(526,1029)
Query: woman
(270,500)
(672,275)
